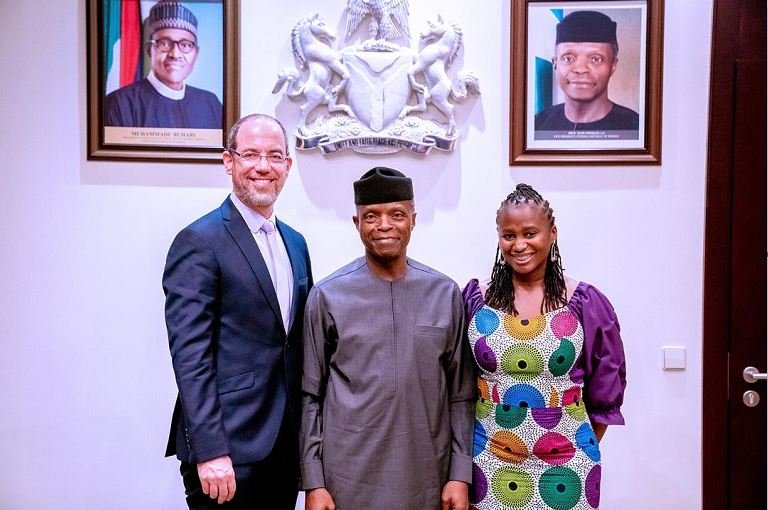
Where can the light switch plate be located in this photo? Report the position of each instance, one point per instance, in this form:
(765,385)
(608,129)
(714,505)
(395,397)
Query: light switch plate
(674,357)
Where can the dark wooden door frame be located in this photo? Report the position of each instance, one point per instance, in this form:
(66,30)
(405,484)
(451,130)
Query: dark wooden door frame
(735,37)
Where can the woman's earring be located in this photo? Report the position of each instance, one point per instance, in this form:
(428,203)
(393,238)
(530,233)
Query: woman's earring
(552,254)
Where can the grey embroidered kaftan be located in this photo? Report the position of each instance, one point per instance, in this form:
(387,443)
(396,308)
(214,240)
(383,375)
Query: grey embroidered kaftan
(388,389)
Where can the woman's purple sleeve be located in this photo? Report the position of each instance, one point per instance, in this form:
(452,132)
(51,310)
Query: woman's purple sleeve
(601,364)
(473,298)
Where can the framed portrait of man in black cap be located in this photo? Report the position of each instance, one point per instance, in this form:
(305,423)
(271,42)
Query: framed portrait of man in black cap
(586,82)
(162,78)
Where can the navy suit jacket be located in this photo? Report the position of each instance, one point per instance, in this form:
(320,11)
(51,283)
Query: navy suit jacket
(238,371)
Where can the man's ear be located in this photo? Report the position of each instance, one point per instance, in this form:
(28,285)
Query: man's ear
(356,221)
(228,160)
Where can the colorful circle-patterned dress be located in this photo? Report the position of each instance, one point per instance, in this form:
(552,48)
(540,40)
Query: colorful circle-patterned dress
(540,381)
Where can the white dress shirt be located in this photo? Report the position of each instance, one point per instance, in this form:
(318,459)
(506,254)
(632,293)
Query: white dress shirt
(276,258)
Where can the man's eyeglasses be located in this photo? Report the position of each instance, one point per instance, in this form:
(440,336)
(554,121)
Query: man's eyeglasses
(166,45)
(253,158)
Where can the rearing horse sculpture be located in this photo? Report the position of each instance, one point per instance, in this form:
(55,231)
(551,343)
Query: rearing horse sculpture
(443,40)
(311,40)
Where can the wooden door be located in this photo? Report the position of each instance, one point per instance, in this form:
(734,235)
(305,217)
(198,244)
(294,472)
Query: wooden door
(734,435)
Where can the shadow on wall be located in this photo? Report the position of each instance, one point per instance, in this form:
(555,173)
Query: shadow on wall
(327,178)
(169,175)
(589,178)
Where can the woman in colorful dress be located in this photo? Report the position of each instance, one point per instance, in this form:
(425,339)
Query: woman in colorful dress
(551,370)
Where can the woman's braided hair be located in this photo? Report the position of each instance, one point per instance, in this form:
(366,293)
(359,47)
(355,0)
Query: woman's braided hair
(501,292)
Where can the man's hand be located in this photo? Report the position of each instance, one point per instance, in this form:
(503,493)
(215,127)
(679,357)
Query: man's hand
(217,477)
(319,499)
(455,496)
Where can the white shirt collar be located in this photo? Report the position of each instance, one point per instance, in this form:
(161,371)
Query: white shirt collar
(253,219)
(165,90)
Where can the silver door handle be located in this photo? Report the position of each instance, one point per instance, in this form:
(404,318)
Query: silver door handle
(751,374)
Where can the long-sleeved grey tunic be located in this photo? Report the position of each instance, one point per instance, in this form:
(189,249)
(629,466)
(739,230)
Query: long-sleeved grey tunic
(388,386)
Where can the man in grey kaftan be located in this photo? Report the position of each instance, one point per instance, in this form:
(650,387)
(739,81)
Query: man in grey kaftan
(388,390)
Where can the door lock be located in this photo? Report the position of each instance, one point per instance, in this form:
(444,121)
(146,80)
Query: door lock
(751,398)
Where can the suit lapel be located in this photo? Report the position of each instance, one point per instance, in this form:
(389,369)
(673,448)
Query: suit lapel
(242,235)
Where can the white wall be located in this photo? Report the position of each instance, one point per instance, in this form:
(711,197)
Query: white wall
(87,381)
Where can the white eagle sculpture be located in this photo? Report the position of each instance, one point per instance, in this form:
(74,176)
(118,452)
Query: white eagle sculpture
(382,13)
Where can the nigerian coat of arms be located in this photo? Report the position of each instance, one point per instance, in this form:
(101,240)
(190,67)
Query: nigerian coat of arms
(376,96)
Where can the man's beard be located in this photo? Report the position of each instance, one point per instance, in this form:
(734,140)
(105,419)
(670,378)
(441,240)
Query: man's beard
(256,199)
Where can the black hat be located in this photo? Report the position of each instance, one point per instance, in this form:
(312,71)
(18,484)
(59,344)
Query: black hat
(381,185)
(586,26)
(171,14)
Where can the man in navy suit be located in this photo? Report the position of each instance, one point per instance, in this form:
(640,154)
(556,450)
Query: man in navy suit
(236,281)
